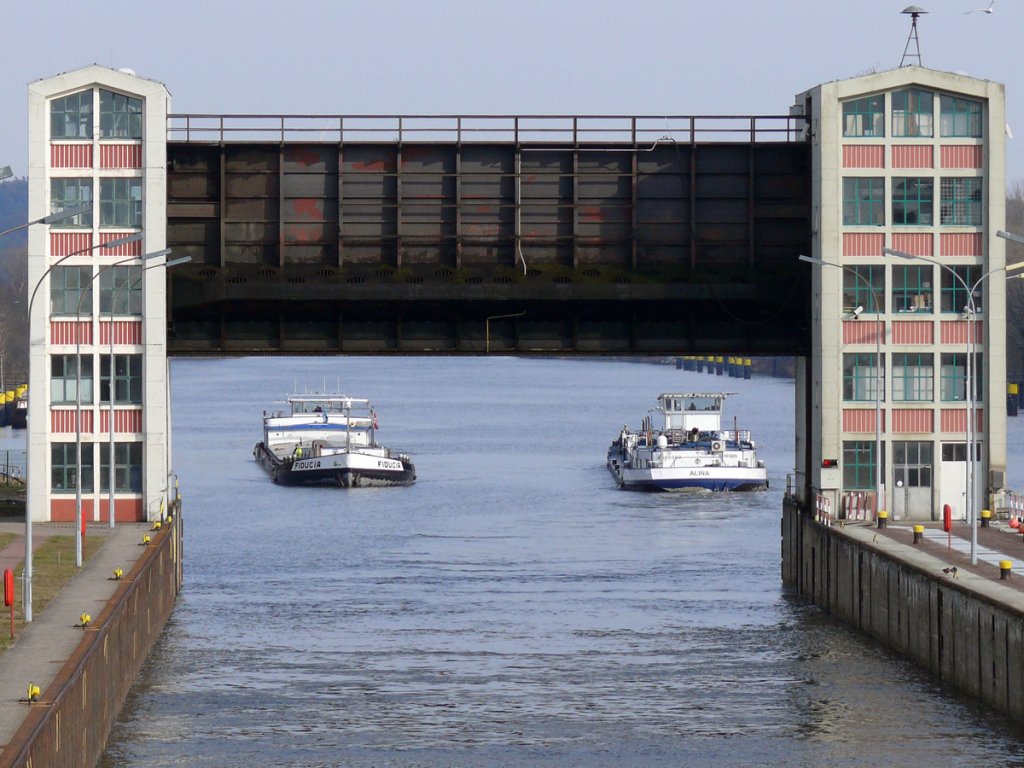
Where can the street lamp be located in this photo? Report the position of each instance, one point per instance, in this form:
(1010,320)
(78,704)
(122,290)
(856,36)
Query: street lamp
(53,218)
(78,395)
(972,315)
(879,332)
(132,280)
(66,213)
(6,172)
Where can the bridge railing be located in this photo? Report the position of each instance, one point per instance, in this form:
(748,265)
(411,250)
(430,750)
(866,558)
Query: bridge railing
(637,130)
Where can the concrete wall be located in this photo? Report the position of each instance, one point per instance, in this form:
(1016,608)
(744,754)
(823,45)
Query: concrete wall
(93,684)
(968,634)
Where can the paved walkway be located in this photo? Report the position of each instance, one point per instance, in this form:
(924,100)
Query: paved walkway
(949,555)
(45,644)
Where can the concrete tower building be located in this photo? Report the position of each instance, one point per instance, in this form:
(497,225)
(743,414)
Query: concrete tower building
(910,160)
(98,313)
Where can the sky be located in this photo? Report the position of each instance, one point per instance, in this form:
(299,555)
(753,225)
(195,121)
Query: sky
(650,57)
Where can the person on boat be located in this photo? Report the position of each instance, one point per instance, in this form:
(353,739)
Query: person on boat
(298,451)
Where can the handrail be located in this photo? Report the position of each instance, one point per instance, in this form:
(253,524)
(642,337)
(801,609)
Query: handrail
(619,129)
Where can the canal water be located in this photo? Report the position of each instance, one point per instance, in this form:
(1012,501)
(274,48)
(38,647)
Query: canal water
(512,608)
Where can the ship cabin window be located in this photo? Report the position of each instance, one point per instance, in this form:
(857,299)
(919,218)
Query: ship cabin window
(702,404)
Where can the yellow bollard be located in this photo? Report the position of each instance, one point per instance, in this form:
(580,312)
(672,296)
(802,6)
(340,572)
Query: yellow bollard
(986,517)
(883,518)
(1005,566)
(918,533)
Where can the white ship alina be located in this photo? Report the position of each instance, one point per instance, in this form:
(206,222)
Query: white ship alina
(329,439)
(689,450)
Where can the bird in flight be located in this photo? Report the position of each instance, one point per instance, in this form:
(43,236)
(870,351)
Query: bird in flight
(983,10)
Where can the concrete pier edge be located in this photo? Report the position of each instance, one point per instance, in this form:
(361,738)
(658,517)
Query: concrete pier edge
(70,724)
(963,628)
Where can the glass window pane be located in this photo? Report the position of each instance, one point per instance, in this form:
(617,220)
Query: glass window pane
(960,203)
(71,193)
(863,286)
(864,117)
(912,201)
(71,116)
(863,201)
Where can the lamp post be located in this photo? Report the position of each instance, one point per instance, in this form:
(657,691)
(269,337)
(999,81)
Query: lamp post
(78,395)
(6,172)
(53,218)
(129,281)
(879,332)
(972,315)
(66,213)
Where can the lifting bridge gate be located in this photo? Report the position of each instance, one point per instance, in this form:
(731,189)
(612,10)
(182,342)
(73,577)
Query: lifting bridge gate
(468,235)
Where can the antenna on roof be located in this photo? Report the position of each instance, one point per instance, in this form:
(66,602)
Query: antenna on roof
(913,11)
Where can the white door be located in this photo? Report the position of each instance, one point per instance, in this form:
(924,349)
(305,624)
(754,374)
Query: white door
(953,479)
(912,480)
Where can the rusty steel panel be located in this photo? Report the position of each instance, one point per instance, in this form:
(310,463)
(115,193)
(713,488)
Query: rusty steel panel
(433,235)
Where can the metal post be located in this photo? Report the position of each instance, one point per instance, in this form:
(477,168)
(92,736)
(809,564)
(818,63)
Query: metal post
(78,395)
(52,218)
(970,513)
(879,380)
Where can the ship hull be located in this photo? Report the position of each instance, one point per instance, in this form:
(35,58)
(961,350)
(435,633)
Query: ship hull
(355,469)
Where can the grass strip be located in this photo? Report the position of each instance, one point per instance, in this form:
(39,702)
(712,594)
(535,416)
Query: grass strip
(53,566)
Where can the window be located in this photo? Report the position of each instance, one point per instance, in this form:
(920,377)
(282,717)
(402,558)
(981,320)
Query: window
(912,113)
(954,294)
(959,117)
(120,116)
(120,202)
(858,464)
(960,202)
(71,291)
(71,116)
(71,193)
(860,377)
(912,201)
(127,379)
(64,467)
(911,289)
(864,201)
(864,117)
(64,377)
(913,377)
(123,286)
(953,377)
(863,286)
(958,451)
(912,463)
(127,467)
